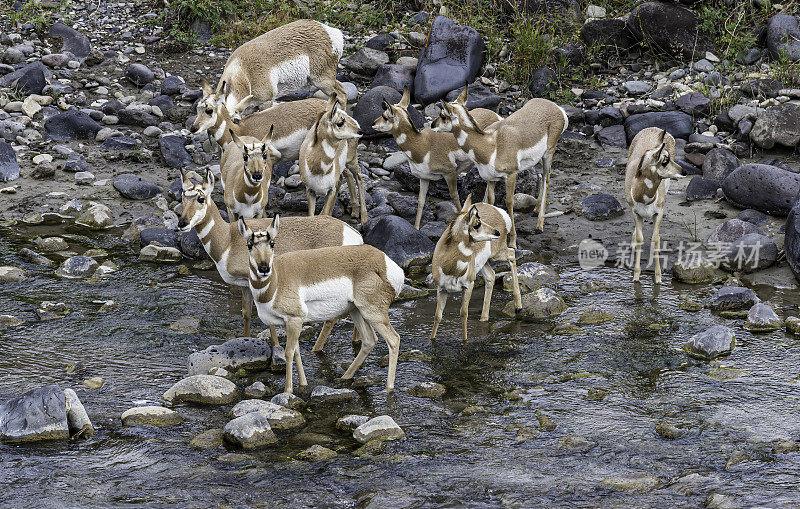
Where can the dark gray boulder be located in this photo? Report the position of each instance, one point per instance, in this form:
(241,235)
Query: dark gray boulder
(395,76)
(719,163)
(452,58)
(71,125)
(173,150)
(755,217)
(612,136)
(733,298)
(31,80)
(163,236)
(542,82)
(783,37)
(667,28)
(381,42)
(72,40)
(139,74)
(777,125)
(762,187)
(599,207)
(599,33)
(676,123)
(791,242)
(9,167)
(191,245)
(120,143)
(749,253)
(693,103)
(711,343)
(134,187)
(701,188)
(399,240)
(137,117)
(75,162)
(173,85)
(239,353)
(478,96)
(370,106)
(732,230)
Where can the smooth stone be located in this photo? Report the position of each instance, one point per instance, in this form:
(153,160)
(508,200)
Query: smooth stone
(251,354)
(279,417)
(151,416)
(600,207)
(762,187)
(250,431)
(9,274)
(316,453)
(77,267)
(202,389)
(733,298)
(539,305)
(398,238)
(351,422)
(378,428)
(323,394)
(711,343)
(762,318)
(134,187)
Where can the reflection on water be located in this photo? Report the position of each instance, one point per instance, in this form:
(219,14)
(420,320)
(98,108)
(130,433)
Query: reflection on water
(491,454)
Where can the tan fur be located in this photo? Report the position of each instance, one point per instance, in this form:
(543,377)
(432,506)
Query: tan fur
(477,234)
(651,163)
(279,54)
(320,284)
(518,142)
(225,246)
(246,169)
(431,155)
(325,153)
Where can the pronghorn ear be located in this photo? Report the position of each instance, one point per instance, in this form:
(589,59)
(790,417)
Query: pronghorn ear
(247,234)
(235,138)
(268,137)
(241,105)
(334,107)
(406,99)
(462,97)
(208,185)
(221,86)
(274,227)
(467,204)
(185,182)
(206,86)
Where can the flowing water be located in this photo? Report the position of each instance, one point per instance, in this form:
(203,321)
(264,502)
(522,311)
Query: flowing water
(492,454)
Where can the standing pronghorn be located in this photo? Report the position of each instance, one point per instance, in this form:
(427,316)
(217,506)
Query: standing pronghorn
(323,284)
(225,246)
(651,163)
(518,142)
(477,234)
(246,169)
(431,155)
(323,156)
(280,62)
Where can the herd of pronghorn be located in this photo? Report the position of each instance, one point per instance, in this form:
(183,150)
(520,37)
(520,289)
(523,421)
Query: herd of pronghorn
(331,272)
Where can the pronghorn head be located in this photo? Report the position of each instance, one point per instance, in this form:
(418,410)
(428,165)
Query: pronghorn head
(207,110)
(660,160)
(261,245)
(258,156)
(468,223)
(393,114)
(195,200)
(337,123)
(455,115)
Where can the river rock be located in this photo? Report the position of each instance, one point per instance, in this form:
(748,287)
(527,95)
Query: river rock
(531,276)
(750,252)
(208,439)
(72,41)
(9,167)
(791,241)
(96,216)
(137,117)
(139,74)
(173,149)
(365,61)
(636,87)
(158,253)
(453,56)
(478,96)
(542,304)
(666,28)
(151,416)
(29,80)
(370,106)
(777,125)
(134,187)
(399,240)
(288,400)
(394,76)
(71,125)
(202,389)
(255,390)
(316,453)
(428,390)
(9,274)
(676,123)
(762,187)
(762,318)
(351,422)
(792,326)
(250,431)
(719,163)
(693,103)
(783,37)
(378,428)
(120,143)
(711,343)
(732,230)
(163,236)
(612,136)
(695,271)
(47,413)
(701,188)
(252,354)
(733,298)
(279,417)
(77,267)
(599,207)
(323,394)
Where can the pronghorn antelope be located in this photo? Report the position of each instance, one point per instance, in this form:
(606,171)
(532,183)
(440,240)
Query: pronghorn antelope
(477,234)
(225,246)
(324,154)
(323,284)
(280,62)
(431,155)
(516,143)
(246,169)
(651,163)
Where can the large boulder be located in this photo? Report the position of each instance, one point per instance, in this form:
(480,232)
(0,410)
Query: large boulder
(365,61)
(777,125)
(173,149)
(719,163)
(479,96)
(203,390)
(701,188)
(395,76)
(46,413)
(71,40)
(667,28)
(370,106)
(250,431)
(234,354)
(9,167)
(762,187)
(399,239)
(732,230)
(71,125)
(598,33)
(599,207)
(29,80)
(453,56)
(676,123)
(783,37)
(791,242)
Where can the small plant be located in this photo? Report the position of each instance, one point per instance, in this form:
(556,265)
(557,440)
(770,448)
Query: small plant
(785,70)
(39,15)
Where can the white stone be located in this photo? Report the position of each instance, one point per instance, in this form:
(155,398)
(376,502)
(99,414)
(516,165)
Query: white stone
(383,428)
(150,416)
(84,178)
(42,158)
(203,389)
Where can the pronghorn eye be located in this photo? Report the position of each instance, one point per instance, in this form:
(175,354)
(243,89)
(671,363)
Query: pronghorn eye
(272,244)
(209,111)
(340,123)
(201,199)
(250,243)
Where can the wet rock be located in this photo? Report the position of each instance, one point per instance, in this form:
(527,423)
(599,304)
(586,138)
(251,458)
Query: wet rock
(365,61)
(428,390)
(701,188)
(378,428)
(139,74)
(599,207)
(783,37)
(408,292)
(749,253)
(186,325)
(478,96)
(34,257)
(134,187)
(316,453)
(47,413)
(793,325)
(77,267)
(399,240)
(9,274)
(97,216)
(719,163)
(202,389)
(255,390)
(323,394)
(394,76)
(9,167)
(720,501)
(208,439)
(732,230)
(791,241)
(761,318)
(370,106)
(578,444)
(162,236)
(735,458)
(157,253)
(71,125)
(288,400)
(785,447)
(666,28)
(72,40)
(51,310)
(668,430)
(351,422)
(733,298)
(531,276)
(777,125)
(250,431)
(279,417)
(676,123)
(542,304)
(93,383)
(594,316)
(120,143)
(711,343)
(453,56)
(173,149)
(642,484)
(545,423)
(151,416)
(695,271)
(12,321)
(191,246)
(762,187)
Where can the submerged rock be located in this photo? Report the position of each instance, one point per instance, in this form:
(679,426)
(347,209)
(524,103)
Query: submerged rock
(323,394)
(251,354)
(316,453)
(709,344)
(47,413)
(288,400)
(77,267)
(250,431)
(209,439)
(279,417)
(793,325)
(351,422)
(9,274)
(202,389)
(428,390)
(380,428)
(531,276)
(762,318)
(151,416)
(642,484)
(686,271)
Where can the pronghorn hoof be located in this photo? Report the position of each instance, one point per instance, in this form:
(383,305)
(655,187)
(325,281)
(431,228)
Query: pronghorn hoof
(517,311)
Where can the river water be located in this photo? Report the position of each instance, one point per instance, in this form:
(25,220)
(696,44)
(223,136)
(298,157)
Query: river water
(603,452)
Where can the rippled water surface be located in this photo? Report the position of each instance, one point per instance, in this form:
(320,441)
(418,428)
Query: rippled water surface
(514,373)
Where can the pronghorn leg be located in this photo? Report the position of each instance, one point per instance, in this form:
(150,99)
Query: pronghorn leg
(330,199)
(392,338)
(511,256)
(301,374)
(312,202)
(355,169)
(231,216)
(441,301)
(293,328)
(488,277)
(323,335)
(547,162)
(636,244)
(423,192)
(356,335)
(511,186)
(465,309)
(655,245)
(247,309)
(273,334)
(367,343)
(452,186)
(351,187)
(489,196)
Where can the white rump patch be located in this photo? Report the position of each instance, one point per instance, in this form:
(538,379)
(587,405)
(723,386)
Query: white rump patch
(289,146)
(326,300)
(506,218)
(337,39)
(350,237)
(290,75)
(395,275)
(566,119)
